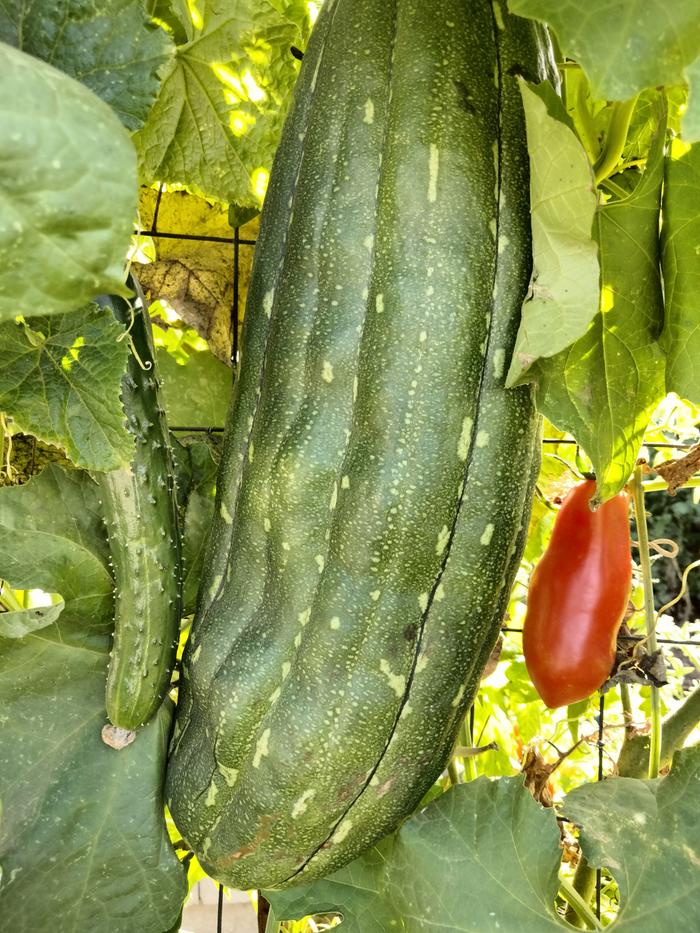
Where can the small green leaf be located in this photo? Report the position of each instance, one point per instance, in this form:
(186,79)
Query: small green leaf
(646,833)
(681,269)
(60,380)
(67,191)
(483,856)
(565,281)
(604,388)
(52,537)
(109,46)
(217,120)
(195,392)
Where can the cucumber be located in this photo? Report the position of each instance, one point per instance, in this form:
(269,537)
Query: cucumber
(140,513)
(377,476)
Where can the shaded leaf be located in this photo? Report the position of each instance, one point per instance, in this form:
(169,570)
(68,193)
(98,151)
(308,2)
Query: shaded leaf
(647,833)
(60,380)
(109,46)
(564,292)
(604,388)
(218,117)
(196,392)
(483,856)
(83,843)
(52,537)
(681,269)
(21,622)
(67,199)
(626,47)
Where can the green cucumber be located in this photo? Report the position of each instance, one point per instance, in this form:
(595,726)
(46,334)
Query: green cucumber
(377,476)
(140,513)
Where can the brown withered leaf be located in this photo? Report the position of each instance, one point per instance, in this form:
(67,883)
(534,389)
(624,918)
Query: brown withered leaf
(537,774)
(492,662)
(196,276)
(678,472)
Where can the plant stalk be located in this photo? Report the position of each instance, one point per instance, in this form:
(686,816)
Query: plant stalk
(645,564)
(615,139)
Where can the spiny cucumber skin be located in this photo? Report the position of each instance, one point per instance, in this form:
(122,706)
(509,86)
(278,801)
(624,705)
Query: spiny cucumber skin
(378,477)
(140,512)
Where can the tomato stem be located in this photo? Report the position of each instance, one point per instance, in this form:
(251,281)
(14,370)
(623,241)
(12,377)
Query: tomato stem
(649,617)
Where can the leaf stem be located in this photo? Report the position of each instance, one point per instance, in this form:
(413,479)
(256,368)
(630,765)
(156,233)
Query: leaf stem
(645,564)
(569,893)
(615,139)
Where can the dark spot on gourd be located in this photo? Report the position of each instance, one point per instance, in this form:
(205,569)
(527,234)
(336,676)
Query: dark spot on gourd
(466,98)
(410,632)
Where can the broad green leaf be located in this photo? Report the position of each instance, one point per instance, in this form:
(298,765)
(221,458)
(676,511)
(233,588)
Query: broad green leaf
(483,856)
(626,47)
(564,292)
(109,46)
(681,269)
(67,190)
(83,843)
(217,120)
(196,392)
(21,622)
(648,834)
(52,537)
(604,388)
(198,514)
(60,380)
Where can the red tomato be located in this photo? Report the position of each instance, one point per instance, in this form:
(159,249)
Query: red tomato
(577,598)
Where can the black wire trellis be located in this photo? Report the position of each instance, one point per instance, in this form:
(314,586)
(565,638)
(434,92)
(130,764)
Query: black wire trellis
(237,241)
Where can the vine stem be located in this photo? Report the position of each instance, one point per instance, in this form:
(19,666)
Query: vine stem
(615,139)
(649,617)
(572,897)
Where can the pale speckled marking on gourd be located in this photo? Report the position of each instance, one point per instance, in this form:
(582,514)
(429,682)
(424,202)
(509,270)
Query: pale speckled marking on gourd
(391,279)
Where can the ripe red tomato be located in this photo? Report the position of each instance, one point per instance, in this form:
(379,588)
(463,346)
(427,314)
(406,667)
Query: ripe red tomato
(577,598)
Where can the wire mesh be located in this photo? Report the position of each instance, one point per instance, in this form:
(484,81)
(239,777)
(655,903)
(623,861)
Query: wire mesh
(236,240)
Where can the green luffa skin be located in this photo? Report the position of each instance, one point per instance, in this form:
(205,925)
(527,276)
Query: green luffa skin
(140,511)
(377,477)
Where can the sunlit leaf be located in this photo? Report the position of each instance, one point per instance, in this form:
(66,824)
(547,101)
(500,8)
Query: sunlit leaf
(222,103)
(604,388)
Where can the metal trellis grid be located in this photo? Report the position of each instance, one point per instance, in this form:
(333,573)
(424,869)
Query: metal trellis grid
(236,240)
